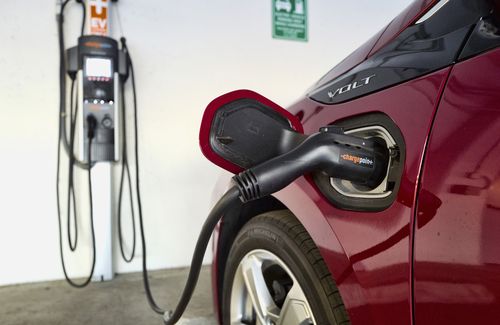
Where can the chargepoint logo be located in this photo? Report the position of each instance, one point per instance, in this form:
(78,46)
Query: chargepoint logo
(351,86)
(358,160)
(98,45)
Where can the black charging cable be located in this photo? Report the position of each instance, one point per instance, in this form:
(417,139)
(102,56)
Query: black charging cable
(125,172)
(62,79)
(231,197)
(318,152)
(91,125)
(229,200)
(147,288)
(84,15)
(71,198)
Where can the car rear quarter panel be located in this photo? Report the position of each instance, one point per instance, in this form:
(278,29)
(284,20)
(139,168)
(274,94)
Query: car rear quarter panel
(368,253)
(457,249)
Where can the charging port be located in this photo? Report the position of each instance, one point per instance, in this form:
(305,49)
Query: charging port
(350,196)
(385,188)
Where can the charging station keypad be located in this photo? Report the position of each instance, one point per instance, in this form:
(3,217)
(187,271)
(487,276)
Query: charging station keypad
(99,100)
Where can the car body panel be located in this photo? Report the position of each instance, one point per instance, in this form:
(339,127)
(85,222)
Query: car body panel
(367,253)
(424,47)
(411,14)
(376,283)
(457,253)
(352,60)
(377,41)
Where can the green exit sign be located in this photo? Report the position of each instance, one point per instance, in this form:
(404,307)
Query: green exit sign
(290,19)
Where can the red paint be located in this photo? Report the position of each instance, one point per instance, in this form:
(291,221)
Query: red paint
(457,253)
(425,198)
(373,277)
(213,106)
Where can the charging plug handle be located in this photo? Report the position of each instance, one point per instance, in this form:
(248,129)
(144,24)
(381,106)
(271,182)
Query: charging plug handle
(91,126)
(361,161)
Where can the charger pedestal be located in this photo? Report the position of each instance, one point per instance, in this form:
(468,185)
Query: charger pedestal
(103,212)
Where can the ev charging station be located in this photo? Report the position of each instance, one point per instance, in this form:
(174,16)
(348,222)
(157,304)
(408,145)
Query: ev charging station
(97,69)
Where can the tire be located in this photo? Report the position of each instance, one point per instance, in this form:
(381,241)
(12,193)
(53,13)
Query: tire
(275,251)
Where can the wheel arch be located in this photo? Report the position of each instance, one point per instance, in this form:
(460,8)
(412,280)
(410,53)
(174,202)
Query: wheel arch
(228,229)
(307,213)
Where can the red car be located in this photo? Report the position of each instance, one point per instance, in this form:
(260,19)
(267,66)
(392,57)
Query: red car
(424,246)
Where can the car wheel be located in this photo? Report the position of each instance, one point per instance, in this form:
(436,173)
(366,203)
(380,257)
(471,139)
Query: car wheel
(276,275)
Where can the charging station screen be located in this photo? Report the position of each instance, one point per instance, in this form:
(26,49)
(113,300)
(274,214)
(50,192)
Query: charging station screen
(96,67)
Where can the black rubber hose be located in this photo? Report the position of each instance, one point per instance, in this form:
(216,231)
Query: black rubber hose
(152,303)
(125,169)
(84,15)
(147,288)
(62,82)
(71,199)
(62,76)
(230,198)
(61,251)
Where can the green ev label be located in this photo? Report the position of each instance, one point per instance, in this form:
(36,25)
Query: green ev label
(290,19)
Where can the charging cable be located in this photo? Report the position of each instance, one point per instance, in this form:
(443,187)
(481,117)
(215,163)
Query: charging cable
(147,288)
(228,200)
(91,125)
(125,171)
(319,152)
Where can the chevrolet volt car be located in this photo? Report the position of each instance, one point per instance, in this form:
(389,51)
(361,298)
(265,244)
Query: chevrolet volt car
(423,247)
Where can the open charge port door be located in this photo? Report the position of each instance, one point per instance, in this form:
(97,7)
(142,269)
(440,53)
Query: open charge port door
(350,196)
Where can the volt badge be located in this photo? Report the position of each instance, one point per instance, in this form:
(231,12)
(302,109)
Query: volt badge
(349,87)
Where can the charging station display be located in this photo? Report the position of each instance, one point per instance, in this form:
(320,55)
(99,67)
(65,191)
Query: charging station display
(97,67)
(98,83)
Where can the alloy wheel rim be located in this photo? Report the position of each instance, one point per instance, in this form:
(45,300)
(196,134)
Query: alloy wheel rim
(266,292)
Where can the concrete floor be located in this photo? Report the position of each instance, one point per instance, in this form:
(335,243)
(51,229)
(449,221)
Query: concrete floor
(121,301)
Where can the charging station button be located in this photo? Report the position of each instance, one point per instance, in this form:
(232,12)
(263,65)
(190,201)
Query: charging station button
(107,122)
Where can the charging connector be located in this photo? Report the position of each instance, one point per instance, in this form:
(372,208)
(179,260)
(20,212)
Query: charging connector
(361,161)
(91,126)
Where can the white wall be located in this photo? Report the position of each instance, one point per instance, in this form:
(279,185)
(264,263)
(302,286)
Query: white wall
(185,54)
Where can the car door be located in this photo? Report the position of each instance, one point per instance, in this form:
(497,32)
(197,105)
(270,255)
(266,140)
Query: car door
(457,247)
